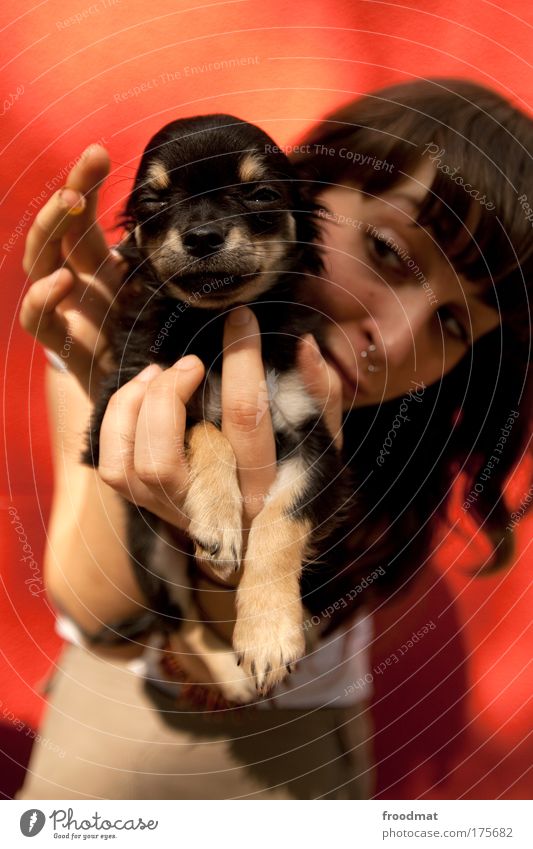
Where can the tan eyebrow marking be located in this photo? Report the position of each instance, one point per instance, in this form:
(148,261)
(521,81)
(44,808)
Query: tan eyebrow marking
(158,176)
(251,168)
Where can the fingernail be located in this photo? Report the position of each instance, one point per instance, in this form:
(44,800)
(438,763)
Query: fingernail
(187,363)
(148,373)
(120,263)
(71,200)
(55,277)
(89,149)
(240,316)
(315,350)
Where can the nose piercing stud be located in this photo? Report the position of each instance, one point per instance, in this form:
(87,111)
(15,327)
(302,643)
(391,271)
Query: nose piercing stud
(371,367)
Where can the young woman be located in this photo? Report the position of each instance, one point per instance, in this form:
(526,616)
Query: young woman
(424,380)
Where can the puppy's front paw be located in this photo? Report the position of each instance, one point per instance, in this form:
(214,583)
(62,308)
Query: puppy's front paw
(268,645)
(214,501)
(216,530)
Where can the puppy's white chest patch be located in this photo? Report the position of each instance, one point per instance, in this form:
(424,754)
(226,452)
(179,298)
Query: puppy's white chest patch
(290,404)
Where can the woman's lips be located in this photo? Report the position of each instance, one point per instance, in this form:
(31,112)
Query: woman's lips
(352,386)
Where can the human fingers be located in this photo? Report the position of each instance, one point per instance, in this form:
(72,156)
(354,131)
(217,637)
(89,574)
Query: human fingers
(323,383)
(86,247)
(49,312)
(138,478)
(159,457)
(38,314)
(43,250)
(246,420)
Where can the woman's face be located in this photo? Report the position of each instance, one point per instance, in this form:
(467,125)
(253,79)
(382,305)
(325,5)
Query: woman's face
(398,315)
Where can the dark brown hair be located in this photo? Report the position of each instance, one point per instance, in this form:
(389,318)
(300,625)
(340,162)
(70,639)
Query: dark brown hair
(477,209)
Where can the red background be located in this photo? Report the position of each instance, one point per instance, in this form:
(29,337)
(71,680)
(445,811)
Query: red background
(452,719)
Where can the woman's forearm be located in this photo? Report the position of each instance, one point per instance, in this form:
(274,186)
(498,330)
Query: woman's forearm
(87,566)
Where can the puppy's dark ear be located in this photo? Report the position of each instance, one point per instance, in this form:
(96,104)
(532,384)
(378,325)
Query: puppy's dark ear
(126,219)
(130,252)
(307,213)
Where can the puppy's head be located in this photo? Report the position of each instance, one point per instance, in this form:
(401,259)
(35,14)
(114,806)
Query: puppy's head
(215,212)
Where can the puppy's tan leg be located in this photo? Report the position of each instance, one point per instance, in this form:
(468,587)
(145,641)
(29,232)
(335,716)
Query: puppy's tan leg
(268,633)
(214,501)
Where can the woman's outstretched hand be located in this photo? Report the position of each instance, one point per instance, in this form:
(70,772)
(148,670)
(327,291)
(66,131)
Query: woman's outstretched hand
(74,274)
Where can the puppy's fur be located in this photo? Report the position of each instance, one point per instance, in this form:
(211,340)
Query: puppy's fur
(216,218)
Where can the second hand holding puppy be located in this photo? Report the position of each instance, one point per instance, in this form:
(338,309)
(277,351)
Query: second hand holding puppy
(74,274)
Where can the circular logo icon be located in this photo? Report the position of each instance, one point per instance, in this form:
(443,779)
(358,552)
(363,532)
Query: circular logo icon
(32,822)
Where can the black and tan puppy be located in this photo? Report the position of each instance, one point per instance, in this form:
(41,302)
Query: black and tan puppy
(216,219)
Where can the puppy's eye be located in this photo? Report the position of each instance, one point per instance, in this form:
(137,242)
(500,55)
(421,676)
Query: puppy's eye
(154,203)
(263,194)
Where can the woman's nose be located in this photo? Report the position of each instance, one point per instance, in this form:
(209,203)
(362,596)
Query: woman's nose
(398,329)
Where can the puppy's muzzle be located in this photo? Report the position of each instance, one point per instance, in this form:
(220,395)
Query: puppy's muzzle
(201,242)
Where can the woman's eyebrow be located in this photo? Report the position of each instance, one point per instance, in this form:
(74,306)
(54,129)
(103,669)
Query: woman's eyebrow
(415,203)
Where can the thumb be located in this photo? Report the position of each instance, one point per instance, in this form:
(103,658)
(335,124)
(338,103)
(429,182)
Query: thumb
(323,384)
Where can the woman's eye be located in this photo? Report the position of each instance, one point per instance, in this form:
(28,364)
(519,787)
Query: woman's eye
(385,253)
(264,195)
(453,326)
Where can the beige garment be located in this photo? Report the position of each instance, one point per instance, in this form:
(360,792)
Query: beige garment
(107,734)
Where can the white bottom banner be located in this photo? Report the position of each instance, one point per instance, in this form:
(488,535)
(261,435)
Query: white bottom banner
(364,825)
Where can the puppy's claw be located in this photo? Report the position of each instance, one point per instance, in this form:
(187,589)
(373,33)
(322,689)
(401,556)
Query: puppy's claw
(223,558)
(212,548)
(270,647)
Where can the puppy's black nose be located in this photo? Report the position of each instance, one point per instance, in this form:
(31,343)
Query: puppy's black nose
(203,241)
